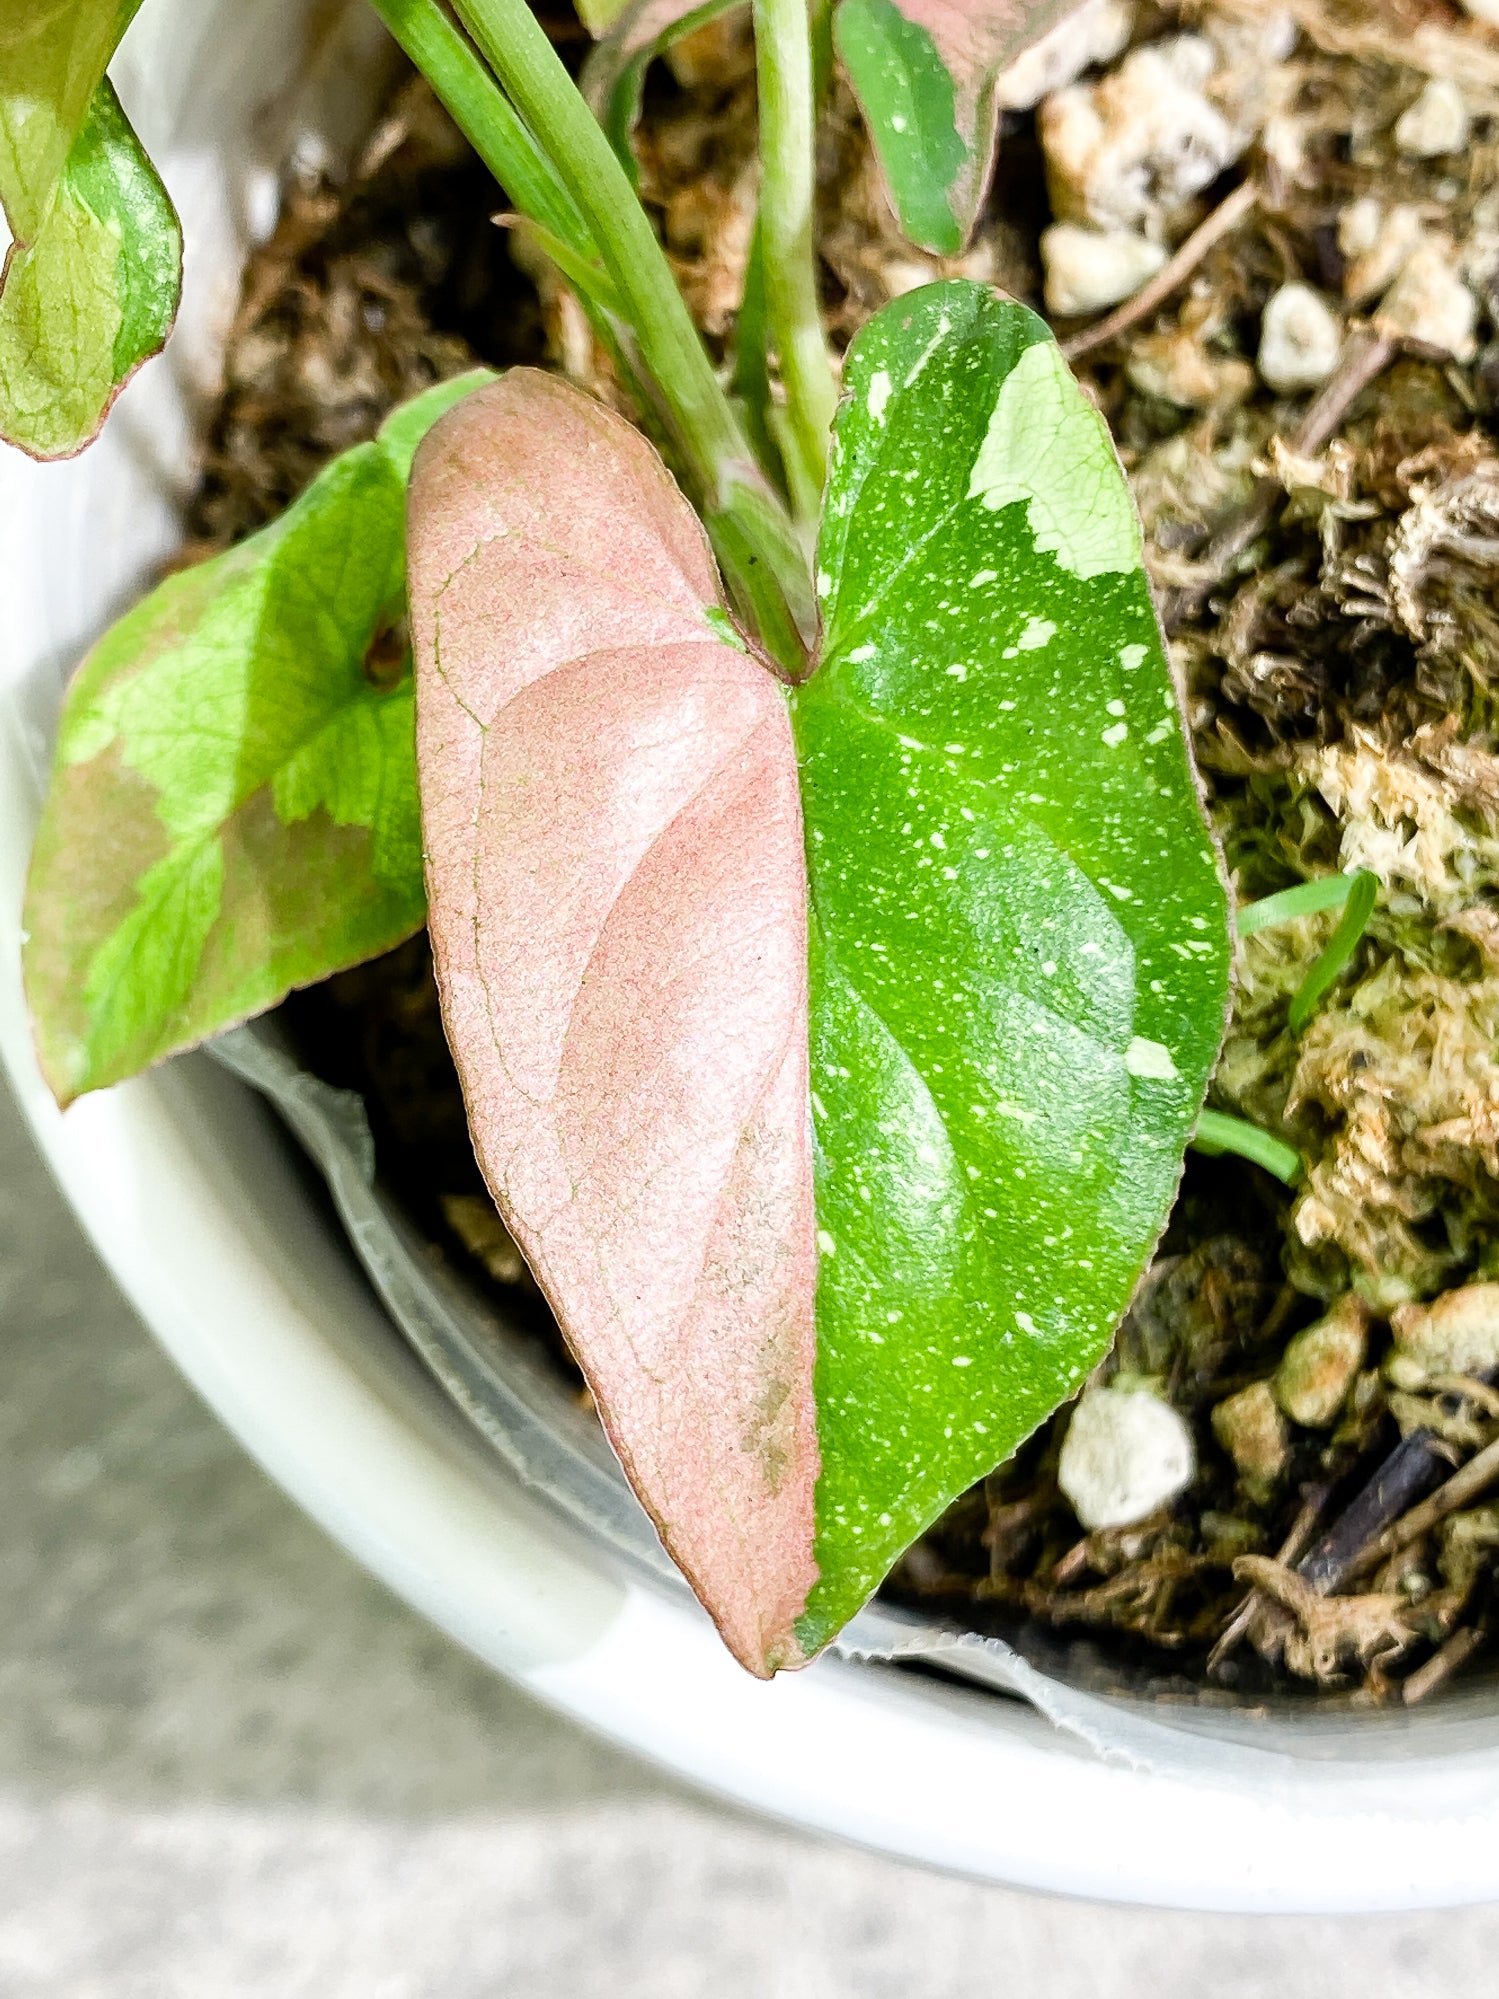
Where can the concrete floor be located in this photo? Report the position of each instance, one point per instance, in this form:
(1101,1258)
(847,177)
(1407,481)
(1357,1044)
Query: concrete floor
(231,1764)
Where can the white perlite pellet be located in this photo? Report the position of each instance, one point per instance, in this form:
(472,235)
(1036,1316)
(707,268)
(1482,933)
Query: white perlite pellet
(1435,124)
(1429,304)
(1128,151)
(1088,270)
(1300,340)
(1457,1334)
(1125,1453)
(1095,32)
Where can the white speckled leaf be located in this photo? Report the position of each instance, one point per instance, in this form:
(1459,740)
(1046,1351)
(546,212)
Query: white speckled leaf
(925,73)
(1019,930)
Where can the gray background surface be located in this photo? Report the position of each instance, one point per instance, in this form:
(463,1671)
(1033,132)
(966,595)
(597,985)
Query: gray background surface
(231,1764)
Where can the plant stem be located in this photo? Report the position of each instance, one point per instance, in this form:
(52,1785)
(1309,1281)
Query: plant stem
(485,117)
(1340,948)
(489,122)
(717,457)
(514,44)
(783,70)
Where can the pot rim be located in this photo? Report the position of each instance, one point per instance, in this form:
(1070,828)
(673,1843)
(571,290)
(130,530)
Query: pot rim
(198,1208)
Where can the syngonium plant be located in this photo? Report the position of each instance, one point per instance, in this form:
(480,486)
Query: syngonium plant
(829,935)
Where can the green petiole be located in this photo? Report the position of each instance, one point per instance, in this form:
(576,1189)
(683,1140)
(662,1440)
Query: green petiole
(489,122)
(1217,1133)
(486,119)
(1339,949)
(588,278)
(750,382)
(787,227)
(717,456)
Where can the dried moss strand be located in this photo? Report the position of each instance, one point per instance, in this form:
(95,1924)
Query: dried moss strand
(1217,1133)
(1303,1527)
(1365,359)
(1340,948)
(1453,1656)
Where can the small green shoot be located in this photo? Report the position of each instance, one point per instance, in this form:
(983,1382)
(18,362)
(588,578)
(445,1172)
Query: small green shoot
(1339,949)
(1218,1133)
(1289,904)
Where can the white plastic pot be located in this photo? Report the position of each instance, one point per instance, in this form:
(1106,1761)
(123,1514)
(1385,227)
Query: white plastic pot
(192,1195)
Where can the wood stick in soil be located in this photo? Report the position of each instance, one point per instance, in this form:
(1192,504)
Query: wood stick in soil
(1475,1477)
(1453,1656)
(1224,219)
(1413,1467)
(1409,1472)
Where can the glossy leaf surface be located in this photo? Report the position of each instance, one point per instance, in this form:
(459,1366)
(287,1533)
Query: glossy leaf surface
(92,278)
(618,919)
(233,809)
(1019,930)
(925,72)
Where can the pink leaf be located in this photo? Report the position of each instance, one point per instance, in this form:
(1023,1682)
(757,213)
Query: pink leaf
(606,778)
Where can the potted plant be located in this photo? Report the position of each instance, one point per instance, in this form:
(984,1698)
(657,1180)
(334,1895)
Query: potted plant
(803,1476)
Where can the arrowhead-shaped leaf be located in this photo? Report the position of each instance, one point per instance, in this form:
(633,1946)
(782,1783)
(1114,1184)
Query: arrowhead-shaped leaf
(619,924)
(925,72)
(91,281)
(233,808)
(1019,930)
(1017,942)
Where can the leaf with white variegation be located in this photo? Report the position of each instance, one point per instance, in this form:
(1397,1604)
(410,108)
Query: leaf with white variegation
(925,73)
(1020,940)
(233,806)
(992,981)
(91,280)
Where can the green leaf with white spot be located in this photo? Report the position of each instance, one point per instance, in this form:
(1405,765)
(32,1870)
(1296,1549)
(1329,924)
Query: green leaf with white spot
(1019,927)
(92,278)
(233,808)
(925,73)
